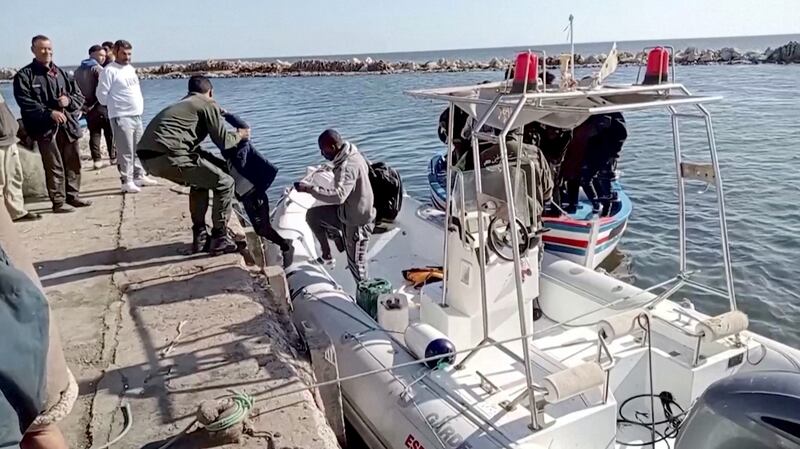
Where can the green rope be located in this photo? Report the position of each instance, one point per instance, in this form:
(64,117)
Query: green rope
(242,404)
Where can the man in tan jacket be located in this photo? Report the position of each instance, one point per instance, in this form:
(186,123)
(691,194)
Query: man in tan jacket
(11,167)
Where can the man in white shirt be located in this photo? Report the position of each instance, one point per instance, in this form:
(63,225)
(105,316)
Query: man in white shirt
(118,90)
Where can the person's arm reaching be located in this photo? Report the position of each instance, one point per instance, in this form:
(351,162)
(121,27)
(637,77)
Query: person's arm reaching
(222,138)
(103,87)
(340,190)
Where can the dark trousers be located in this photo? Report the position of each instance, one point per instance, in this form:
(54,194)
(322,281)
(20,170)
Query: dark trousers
(62,166)
(324,222)
(100,126)
(256,205)
(201,176)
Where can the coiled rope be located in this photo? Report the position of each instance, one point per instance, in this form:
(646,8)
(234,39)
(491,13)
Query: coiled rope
(242,404)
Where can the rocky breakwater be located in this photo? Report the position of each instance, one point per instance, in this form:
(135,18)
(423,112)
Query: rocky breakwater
(785,54)
(311,67)
(7,74)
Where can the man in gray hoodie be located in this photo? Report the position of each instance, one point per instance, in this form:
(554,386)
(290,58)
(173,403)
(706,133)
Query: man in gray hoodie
(349,216)
(87,77)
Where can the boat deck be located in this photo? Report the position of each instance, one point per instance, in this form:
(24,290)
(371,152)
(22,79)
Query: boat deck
(395,249)
(493,377)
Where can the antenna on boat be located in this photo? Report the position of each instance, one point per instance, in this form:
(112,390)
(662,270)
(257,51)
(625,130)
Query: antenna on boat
(572,41)
(568,61)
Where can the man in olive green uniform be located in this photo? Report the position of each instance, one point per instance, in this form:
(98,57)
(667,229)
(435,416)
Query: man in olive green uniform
(170,149)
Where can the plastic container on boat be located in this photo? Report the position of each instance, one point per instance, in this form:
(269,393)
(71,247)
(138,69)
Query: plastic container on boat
(367,294)
(424,341)
(393,313)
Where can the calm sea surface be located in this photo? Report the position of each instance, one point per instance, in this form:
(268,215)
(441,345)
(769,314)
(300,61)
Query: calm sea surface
(757,129)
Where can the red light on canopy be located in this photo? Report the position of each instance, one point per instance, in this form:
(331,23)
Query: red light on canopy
(526,69)
(657,66)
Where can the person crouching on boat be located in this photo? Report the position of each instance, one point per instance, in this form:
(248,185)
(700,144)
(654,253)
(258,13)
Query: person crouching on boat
(252,176)
(461,146)
(553,142)
(602,161)
(591,160)
(349,215)
(170,149)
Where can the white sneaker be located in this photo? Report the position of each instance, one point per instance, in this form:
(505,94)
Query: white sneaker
(145,181)
(99,164)
(130,187)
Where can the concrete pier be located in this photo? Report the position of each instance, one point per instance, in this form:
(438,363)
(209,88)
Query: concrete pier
(145,323)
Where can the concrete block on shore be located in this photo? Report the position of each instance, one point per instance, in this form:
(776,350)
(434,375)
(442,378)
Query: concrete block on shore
(33,183)
(276,279)
(325,367)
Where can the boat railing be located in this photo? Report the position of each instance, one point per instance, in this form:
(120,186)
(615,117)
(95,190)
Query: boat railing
(535,423)
(505,110)
(459,180)
(662,95)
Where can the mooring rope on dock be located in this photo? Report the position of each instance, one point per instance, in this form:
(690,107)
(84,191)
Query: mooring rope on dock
(242,404)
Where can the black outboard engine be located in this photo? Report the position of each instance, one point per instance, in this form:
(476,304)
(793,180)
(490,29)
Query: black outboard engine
(599,171)
(759,410)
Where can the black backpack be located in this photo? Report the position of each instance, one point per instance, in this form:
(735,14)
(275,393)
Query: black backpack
(387,188)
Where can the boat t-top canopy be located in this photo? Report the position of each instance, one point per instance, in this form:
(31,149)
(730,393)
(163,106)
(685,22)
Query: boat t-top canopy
(562,109)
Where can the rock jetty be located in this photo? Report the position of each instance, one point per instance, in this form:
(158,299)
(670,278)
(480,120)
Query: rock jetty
(786,54)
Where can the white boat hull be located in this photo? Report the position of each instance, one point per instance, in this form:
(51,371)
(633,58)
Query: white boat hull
(416,408)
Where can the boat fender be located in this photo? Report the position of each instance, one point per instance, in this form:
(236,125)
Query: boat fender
(721,326)
(620,325)
(573,381)
(425,341)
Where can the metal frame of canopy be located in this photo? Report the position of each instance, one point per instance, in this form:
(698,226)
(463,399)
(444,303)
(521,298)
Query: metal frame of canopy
(504,111)
(571,107)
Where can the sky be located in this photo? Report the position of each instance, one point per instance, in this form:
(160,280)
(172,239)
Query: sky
(169,30)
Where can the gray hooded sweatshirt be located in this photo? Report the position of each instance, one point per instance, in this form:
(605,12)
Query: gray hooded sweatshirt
(351,188)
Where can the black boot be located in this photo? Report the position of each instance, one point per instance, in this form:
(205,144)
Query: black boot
(550,210)
(200,241)
(537,310)
(221,243)
(573,192)
(287,252)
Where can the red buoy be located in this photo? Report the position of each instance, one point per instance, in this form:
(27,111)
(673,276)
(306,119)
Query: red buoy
(526,68)
(657,66)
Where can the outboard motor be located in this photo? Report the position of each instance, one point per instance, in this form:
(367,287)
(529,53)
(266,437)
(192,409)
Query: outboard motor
(759,410)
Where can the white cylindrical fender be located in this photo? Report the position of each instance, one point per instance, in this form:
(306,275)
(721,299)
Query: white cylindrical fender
(573,381)
(424,341)
(620,325)
(721,326)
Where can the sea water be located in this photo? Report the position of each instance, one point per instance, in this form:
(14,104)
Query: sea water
(757,129)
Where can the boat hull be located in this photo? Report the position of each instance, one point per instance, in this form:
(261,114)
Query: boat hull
(414,407)
(569,236)
(394,409)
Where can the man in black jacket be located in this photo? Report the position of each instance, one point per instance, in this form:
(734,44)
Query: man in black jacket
(50,104)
